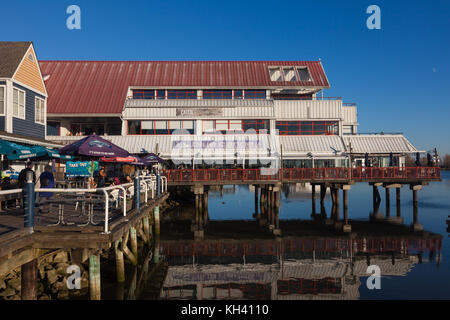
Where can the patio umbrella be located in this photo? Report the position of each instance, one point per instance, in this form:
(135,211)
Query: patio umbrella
(129,159)
(151,159)
(94,146)
(49,153)
(14,151)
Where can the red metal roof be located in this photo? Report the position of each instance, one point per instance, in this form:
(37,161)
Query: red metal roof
(101,86)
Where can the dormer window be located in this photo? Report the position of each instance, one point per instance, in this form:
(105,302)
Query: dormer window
(304,75)
(289,74)
(275,74)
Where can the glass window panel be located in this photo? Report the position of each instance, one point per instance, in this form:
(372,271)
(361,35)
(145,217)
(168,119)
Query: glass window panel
(160,124)
(289,74)
(238,94)
(2,100)
(147,124)
(208,125)
(255,94)
(235,124)
(217,94)
(160,94)
(275,74)
(21,98)
(175,124)
(181,94)
(304,74)
(188,124)
(221,125)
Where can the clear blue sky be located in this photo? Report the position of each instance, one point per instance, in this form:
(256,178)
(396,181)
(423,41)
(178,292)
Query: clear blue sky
(398,76)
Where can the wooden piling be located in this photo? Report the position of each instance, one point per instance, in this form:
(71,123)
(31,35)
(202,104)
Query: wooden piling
(345,195)
(388,203)
(120,264)
(133,242)
(256,200)
(313,199)
(397,193)
(29,281)
(336,197)
(156,219)
(146,226)
(94,277)
(415,208)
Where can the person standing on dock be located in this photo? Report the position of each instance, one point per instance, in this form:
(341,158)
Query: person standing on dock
(23,179)
(47,180)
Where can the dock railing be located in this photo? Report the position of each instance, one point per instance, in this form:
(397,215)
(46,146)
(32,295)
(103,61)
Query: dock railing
(109,200)
(303,174)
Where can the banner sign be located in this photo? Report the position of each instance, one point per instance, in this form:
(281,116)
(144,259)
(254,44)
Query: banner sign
(81,168)
(199,112)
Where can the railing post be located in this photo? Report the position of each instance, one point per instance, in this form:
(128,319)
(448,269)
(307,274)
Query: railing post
(29,202)
(137,193)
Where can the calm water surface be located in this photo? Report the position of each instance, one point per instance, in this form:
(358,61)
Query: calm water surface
(218,269)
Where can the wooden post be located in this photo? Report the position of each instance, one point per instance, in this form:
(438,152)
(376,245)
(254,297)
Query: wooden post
(336,197)
(146,226)
(397,192)
(94,277)
(29,280)
(345,194)
(388,203)
(156,218)
(256,200)
(205,208)
(120,264)
(133,242)
(313,199)
(196,210)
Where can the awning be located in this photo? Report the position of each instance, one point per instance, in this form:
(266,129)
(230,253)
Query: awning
(14,151)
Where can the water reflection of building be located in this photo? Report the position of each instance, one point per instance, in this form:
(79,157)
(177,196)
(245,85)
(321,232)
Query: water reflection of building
(297,190)
(294,268)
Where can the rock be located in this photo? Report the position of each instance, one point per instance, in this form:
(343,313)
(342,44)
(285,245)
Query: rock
(45,297)
(59,286)
(84,283)
(14,297)
(52,276)
(61,269)
(41,288)
(61,257)
(16,284)
(63,295)
(7,292)
(2,284)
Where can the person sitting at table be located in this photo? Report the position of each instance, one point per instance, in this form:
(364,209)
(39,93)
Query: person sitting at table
(101,178)
(128,179)
(47,180)
(116,181)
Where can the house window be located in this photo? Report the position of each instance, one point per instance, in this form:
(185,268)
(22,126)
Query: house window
(159,127)
(289,74)
(255,94)
(53,128)
(143,94)
(30,57)
(303,74)
(39,110)
(18,103)
(307,128)
(217,94)
(347,130)
(181,94)
(235,126)
(2,100)
(238,94)
(275,74)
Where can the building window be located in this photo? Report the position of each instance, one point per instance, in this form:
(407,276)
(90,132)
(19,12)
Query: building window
(289,74)
(30,57)
(307,128)
(2,100)
(217,94)
(181,94)
(255,94)
(238,94)
(159,127)
(18,103)
(143,94)
(160,94)
(347,130)
(303,74)
(287,96)
(275,74)
(39,110)
(85,129)
(53,128)
(234,126)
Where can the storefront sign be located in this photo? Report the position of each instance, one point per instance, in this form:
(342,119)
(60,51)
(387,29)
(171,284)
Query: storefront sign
(199,112)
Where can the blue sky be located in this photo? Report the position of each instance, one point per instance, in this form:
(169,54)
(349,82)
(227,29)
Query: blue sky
(398,76)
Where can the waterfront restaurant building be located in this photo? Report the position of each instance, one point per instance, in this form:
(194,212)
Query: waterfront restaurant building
(142,106)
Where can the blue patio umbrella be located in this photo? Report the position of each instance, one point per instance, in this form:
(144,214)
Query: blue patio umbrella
(14,151)
(50,153)
(151,159)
